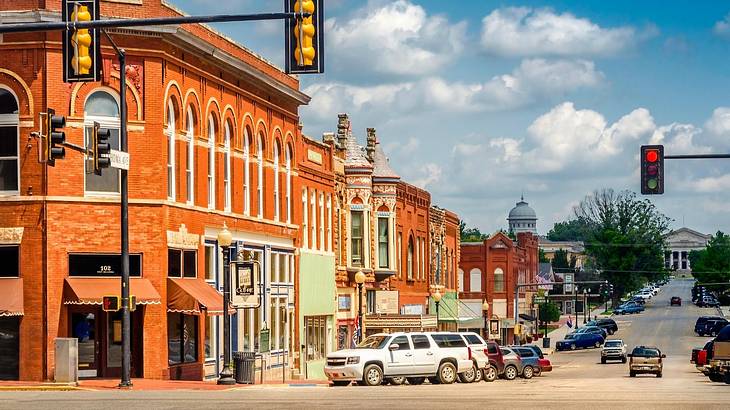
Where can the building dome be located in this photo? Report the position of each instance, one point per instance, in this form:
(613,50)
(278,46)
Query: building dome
(522,218)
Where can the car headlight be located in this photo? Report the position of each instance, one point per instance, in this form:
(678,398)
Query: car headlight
(353,360)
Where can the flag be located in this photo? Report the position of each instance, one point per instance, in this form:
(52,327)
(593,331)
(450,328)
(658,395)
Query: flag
(356,334)
(570,323)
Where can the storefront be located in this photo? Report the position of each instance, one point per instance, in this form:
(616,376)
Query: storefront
(11,313)
(317,306)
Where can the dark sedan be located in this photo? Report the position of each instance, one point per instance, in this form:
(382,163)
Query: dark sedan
(580,340)
(675,300)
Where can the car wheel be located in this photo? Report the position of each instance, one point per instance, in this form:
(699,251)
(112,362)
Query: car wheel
(603,360)
(415,381)
(727,377)
(537,371)
(340,383)
(373,375)
(623,359)
(572,347)
(611,331)
(527,372)
(397,381)
(478,375)
(659,374)
(447,373)
(468,376)
(433,380)
(632,374)
(490,374)
(510,372)
(714,377)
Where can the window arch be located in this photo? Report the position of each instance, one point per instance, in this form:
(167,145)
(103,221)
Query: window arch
(260,183)
(475,280)
(170,131)
(409,259)
(288,184)
(460,279)
(211,161)
(246,172)
(190,168)
(276,182)
(9,143)
(102,107)
(227,167)
(498,280)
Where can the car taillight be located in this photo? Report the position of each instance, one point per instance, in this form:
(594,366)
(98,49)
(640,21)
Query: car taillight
(486,352)
(469,349)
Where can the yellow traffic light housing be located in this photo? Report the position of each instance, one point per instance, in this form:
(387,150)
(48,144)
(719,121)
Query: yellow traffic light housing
(81,51)
(305,37)
(81,61)
(304,32)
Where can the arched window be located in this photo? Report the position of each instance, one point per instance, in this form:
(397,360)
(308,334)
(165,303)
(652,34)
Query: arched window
(246,172)
(409,260)
(170,131)
(313,215)
(260,184)
(475,280)
(321,221)
(329,223)
(227,168)
(211,162)
(190,169)
(305,219)
(498,280)
(276,181)
(9,137)
(288,185)
(102,107)
(460,279)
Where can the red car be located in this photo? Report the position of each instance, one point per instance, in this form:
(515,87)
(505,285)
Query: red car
(545,365)
(675,300)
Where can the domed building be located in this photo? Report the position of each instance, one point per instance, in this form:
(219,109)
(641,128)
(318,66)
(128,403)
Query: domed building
(522,218)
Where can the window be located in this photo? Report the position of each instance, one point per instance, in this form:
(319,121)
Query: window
(356,237)
(9,129)
(182,338)
(210,262)
(370,305)
(420,342)
(313,215)
(499,280)
(170,131)
(437,269)
(101,107)
(288,185)
(402,342)
(276,181)
(399,262)
(227,168)
(181,263)
(211,162)
(316,334)
(492,348)
(461,280)
(246,171)
(475,280)
(448,340)
(329,222)
(190,168)
(305,219)
(321,221)
(383,245)
(409,259)
(260,184)
(10,258)
(474,339)
(344,303)
(210,330)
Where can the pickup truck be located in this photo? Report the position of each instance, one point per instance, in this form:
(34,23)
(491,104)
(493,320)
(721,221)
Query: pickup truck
(718,369)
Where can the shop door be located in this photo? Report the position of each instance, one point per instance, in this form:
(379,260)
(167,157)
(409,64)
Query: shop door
(111,345)
(9,347)
(84,327)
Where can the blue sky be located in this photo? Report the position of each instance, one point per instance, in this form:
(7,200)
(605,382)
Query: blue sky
(478,101)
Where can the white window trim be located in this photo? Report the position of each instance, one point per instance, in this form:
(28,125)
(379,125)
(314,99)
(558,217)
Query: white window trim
(288,186)
(321,221)
(305,219)
(227,169)
(475,273)
(246,176)
(13,120)
(259,187)
(190,172)
(313,224)
(170,132)
(276,183)
(211,163)
(329,222)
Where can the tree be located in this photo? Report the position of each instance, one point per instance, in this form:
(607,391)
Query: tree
(541,256)
(572,230)
(549,313)
(560,261)
(712,264)
(470,234)
(625,238)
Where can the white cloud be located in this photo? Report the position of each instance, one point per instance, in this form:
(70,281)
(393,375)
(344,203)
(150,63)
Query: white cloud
(397,38)
(719,123)
(712,184)
(679,139)
(722,27)
(430,174)
(523,31)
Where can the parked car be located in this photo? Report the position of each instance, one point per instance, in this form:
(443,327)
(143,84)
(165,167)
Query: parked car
(637,299)
(581,340)
(496,362)
(415,356)
(700,323)
(707,301)
(607,324)
(614,349)
(628,308)
(646,359)
(712,327)
(512,363)
(675,300)
(545,365)
(591,329)
(536,349)
(477,354)
(530,361)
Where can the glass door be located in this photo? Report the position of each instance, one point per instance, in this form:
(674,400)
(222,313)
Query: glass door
(84,328)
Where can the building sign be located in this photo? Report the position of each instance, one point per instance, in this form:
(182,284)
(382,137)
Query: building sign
(245,289)
(102,264)
(494,326)
(412,309)
(314,156)
(386,301)
(264,340)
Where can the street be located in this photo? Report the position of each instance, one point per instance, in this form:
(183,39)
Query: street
(578,380)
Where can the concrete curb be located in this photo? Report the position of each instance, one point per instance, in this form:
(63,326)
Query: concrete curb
(64,387)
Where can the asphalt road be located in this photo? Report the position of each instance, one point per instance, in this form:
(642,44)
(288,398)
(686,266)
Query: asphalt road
(578,381)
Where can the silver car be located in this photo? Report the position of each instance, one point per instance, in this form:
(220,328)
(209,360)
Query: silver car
(513,365)
(614,349)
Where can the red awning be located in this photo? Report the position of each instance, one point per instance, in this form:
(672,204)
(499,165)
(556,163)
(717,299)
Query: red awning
(90,291)
(11,297)
(193,296)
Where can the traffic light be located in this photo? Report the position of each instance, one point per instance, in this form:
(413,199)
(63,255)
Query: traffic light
(305,37)
(81,51)
(110,303)
(100,146)
(652,169)
(54,137)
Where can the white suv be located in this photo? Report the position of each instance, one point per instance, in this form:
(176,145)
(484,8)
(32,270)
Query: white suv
(477,348)
(397,357)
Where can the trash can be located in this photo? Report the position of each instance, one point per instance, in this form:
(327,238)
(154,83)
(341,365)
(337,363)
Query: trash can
(546,342)
(244,367)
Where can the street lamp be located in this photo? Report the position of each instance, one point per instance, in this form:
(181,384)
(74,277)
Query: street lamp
(585,303)
(437,300)
(359,279)
(224,241)
(485,312)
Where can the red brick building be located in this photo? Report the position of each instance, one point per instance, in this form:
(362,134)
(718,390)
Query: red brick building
(213,135)
(489,270)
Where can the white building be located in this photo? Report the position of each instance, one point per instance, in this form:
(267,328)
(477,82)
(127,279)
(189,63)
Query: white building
(522,218)
(679,244)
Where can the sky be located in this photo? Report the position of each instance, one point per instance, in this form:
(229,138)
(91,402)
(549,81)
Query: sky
(480,102)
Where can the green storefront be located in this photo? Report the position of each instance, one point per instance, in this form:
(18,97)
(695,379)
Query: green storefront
(448,314)
(317,307)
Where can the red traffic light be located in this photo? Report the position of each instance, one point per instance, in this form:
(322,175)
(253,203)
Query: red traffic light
(110,303)
(652,155)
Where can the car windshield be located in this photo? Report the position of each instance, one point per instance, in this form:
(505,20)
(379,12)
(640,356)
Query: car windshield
(570,336)
(645,352)
(614,343)
(373,342)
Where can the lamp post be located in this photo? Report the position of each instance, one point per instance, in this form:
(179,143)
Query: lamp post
(359,279)
(224,241)
(585,303)
(485,312)
(575,304)
(437,299)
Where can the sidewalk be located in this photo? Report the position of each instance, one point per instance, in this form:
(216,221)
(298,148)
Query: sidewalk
(148,385)
(559,334)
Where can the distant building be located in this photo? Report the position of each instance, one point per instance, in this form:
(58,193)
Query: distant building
(679,244)
(522,218)
(574,249)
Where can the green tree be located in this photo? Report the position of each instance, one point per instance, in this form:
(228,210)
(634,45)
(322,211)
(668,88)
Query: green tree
(541,256)
(470,234)
(625,240)
(712,264)
(560,261)
(572,230)
(549,313)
